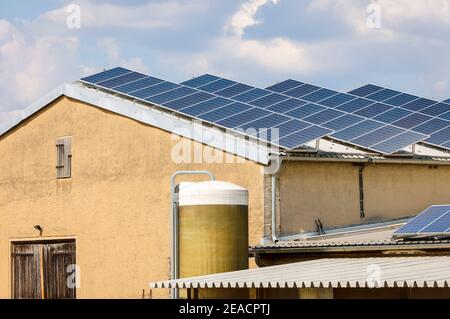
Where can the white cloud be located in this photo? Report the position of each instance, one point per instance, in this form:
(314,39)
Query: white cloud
(245,16)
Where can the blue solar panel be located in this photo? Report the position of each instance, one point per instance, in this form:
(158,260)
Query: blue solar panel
(224,112)
(323,116)
(383,95)
(440,225)
(343,122)
(105,75)
(153,90)
(398,142)
(418,104)
(436,109)
(445,116)
(447,101)
(217,85)
(357,130)
(251,95)
(190,100)
(354,105)
(366,90)
(337,100)
(286,106)
(203,107)
(120,80)
(446,145)
(171,95)
(304,136)
(200,80)
(284,86)
(319,95)
(401,99)
(421,221)
(440,137)
(392,115)
(412,120)
(305,110)
(138,85)
(431,126)
(234,90)
(373,110)
(283,129)
(302,90)
(243,118)
(269,100)
(266,122)
(377,136)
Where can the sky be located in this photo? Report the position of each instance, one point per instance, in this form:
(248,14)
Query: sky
(339,44)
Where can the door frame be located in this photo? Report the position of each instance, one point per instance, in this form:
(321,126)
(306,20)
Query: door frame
(34,240)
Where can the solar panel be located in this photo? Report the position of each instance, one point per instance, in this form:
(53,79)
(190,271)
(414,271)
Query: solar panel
(354,105)
(418,104)
(356,130)
(445,116)
(284,86)
(401,99)
(286,106)
(301,90)
(447,101)
(392,115)
(200,80)
(283,129)
(395,143)
(343,122)
(266,122)
(366,90)
(242,118)
(234,90)
(137,85)
(432,221)
(191,99)
(217,85)
(120,80)
(203,107)
(431,126)
(269,100)
(446,145)
(105,75)
(323,116)
(440,137)
(337,100)
(383,95)
(153,90)
(171,95)
(377,136)
(224,112)
(306,110)
(412,120)
(251,95)
(373,110)
(436,109)
(319,95)
(304,136)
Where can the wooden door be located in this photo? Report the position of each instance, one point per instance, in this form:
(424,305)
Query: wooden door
(40,270)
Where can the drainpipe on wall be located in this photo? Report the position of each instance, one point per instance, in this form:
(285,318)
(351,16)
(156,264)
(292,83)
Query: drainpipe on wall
(174,264)
(362,213)
(273,171)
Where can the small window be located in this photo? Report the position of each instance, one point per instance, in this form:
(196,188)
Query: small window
(63,157)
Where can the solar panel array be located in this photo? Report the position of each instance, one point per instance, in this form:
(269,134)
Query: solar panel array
(367,117)
(234,114)
(320,106)
(434,221)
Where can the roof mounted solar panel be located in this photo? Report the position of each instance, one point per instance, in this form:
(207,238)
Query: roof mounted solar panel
(366,90)
(138,85)
(355,105)
(436,109)
(284,86)
(120,80)
(105,75)
(432,222)
(412,120)
(383,95)
(216,85)
(418,104)
(447,101)
(401,99)
(395,143)
(200,80)
(306,135)
(337,100)
(439,138)
(302,90)
(445,116)
(234,90)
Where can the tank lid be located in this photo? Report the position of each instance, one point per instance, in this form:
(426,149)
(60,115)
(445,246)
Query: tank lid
(213,193)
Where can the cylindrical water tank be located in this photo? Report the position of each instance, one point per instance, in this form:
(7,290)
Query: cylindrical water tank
(213,232)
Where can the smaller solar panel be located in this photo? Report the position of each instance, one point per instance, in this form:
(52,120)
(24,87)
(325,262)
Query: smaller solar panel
(304,136)
(243,118)
(440,137)
(192,99)
(105,75)
(203,107)
(120,80)
(266,122)
(286,106)
(354,105)
(283,129)
(224,112)
(436,109)
(200,80)
(234,90)
(440,225)
(447,101)
(356,130)
(323,116)
(366,90)
(171,95)
(398,142)
(284,86)
(306,110)
(153,90)
(418,224)
(377,136)
(431,126)
(138,85)
(269,100)
(401,99)
(343,122)
(337,100)
(446,145)
(445,116)
(418,104)
(412,120)
(251,95)
(217,85)
(392,115)
(383,95)
(319,95)
(301,90)
(373,110)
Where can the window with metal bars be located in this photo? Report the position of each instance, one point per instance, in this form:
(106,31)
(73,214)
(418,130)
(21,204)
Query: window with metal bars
(63,157)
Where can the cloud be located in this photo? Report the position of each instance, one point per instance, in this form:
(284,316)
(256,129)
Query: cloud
(245,16)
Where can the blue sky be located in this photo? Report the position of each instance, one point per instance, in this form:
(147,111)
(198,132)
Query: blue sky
(260,42)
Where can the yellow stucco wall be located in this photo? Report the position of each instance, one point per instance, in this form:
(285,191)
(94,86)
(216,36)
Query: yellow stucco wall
(330,192)
(116,204)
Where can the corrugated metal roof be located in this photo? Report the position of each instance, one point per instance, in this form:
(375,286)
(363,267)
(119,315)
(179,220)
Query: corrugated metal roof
(389,272)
